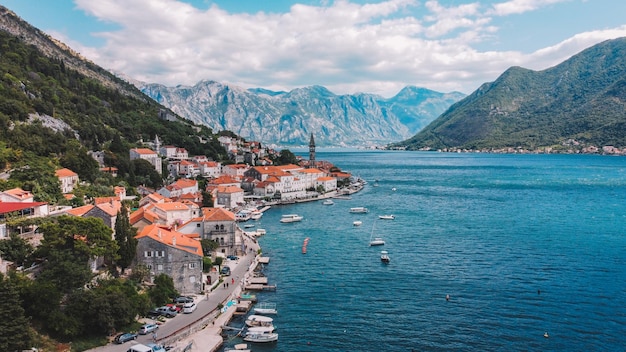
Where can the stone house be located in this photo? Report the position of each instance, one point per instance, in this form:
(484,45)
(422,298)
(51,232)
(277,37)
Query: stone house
(164,251)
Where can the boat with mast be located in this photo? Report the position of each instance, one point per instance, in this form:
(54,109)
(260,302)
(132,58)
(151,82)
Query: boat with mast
(375,241)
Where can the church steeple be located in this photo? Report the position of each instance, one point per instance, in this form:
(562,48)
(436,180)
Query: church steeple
(312,152)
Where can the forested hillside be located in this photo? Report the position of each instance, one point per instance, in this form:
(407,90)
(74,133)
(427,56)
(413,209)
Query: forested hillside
(82,114)
(580,102)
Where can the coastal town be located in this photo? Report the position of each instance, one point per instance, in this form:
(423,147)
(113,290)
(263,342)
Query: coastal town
(171,221)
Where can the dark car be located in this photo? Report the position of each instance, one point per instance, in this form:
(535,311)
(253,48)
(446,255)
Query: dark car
(127,336)
(153,314)
(233,257)
(183,300)
(225,271)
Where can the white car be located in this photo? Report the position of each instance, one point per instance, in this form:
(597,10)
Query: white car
(189,307)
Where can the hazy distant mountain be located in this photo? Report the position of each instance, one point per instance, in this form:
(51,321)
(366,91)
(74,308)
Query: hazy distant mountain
(289,118)
(580,101)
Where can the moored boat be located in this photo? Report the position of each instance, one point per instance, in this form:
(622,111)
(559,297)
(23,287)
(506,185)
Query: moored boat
(387,217)
(290,218)
(358,210)
(261,337)
(384,257)
(377,241)
(357,223)
(240,347)
(259,320)
(266,308)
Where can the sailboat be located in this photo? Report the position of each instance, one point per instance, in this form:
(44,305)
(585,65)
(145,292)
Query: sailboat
(375,241)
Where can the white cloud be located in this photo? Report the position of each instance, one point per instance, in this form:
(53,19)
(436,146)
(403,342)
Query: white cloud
(520,6)
(347,47)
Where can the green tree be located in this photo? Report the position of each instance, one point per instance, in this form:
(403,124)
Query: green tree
(68,245)
(208,246)
(14,328)
(144,173)
(125,238)
(287,157)
(76,159)
(163,290)
(15,249)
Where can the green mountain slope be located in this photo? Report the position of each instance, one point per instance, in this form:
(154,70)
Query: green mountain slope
(55,106)
(580,101)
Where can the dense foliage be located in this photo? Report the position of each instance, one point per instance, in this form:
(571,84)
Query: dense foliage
(582,99)
(87,116)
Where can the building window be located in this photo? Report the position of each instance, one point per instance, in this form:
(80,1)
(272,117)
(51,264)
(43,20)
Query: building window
(192,265)
(160,267)
(217,227)
(149,267)
(148,254)
(198,225)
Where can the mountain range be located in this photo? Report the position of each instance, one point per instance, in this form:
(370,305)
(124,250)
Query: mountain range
(289,118)
(577,103)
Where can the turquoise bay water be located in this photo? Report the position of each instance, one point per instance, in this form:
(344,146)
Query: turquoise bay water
(523,244)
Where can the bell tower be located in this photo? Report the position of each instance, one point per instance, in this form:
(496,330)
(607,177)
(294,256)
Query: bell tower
(312,152)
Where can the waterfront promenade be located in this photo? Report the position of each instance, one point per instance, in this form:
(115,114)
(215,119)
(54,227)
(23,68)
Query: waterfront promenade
(201,330)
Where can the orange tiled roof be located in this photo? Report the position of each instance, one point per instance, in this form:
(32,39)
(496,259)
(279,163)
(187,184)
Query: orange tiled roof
(144,151)
(172,206)
(229,189)
(217,214)
(110,208)
(80,211)
(311,171)
(65,173)
(18,193)
(325,178)
(171,238)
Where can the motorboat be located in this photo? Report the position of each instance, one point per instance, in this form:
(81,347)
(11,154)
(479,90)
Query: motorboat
(377,241)
(265,308)
(240,347)
(387,217)
(264,337)
(248,226)
(357,223)
(259,320)
(328,202)
(260,329)
(384,257)
(290,218)
(359,210)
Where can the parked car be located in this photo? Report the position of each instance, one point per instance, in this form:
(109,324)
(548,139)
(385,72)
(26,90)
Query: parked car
(123,337)
(148,328)
(175,307)
(153,314)
(183,299)
(167,311)
(225,270)
(233,257)
(189,307)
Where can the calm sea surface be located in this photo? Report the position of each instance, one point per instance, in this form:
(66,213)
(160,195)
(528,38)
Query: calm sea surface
(523,244)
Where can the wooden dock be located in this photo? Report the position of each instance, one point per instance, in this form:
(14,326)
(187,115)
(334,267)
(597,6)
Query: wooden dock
(260,287)
(257,280)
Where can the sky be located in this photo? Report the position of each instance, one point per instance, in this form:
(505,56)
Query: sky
(348,46)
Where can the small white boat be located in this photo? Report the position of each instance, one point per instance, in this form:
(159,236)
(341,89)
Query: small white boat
(259,320)
(240,347)
(261,329)
(291,218)
(266,308)
(377,241)
(248,226)
(387,217)
(359,210)
(256,215)
(357,223)
(264,337)
(384,257)
(328,202)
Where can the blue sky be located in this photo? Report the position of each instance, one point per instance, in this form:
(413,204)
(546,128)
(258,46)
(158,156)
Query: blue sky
(348,46)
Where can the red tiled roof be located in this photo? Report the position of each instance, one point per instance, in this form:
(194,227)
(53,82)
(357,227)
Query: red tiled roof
(7,207)
(171,238)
